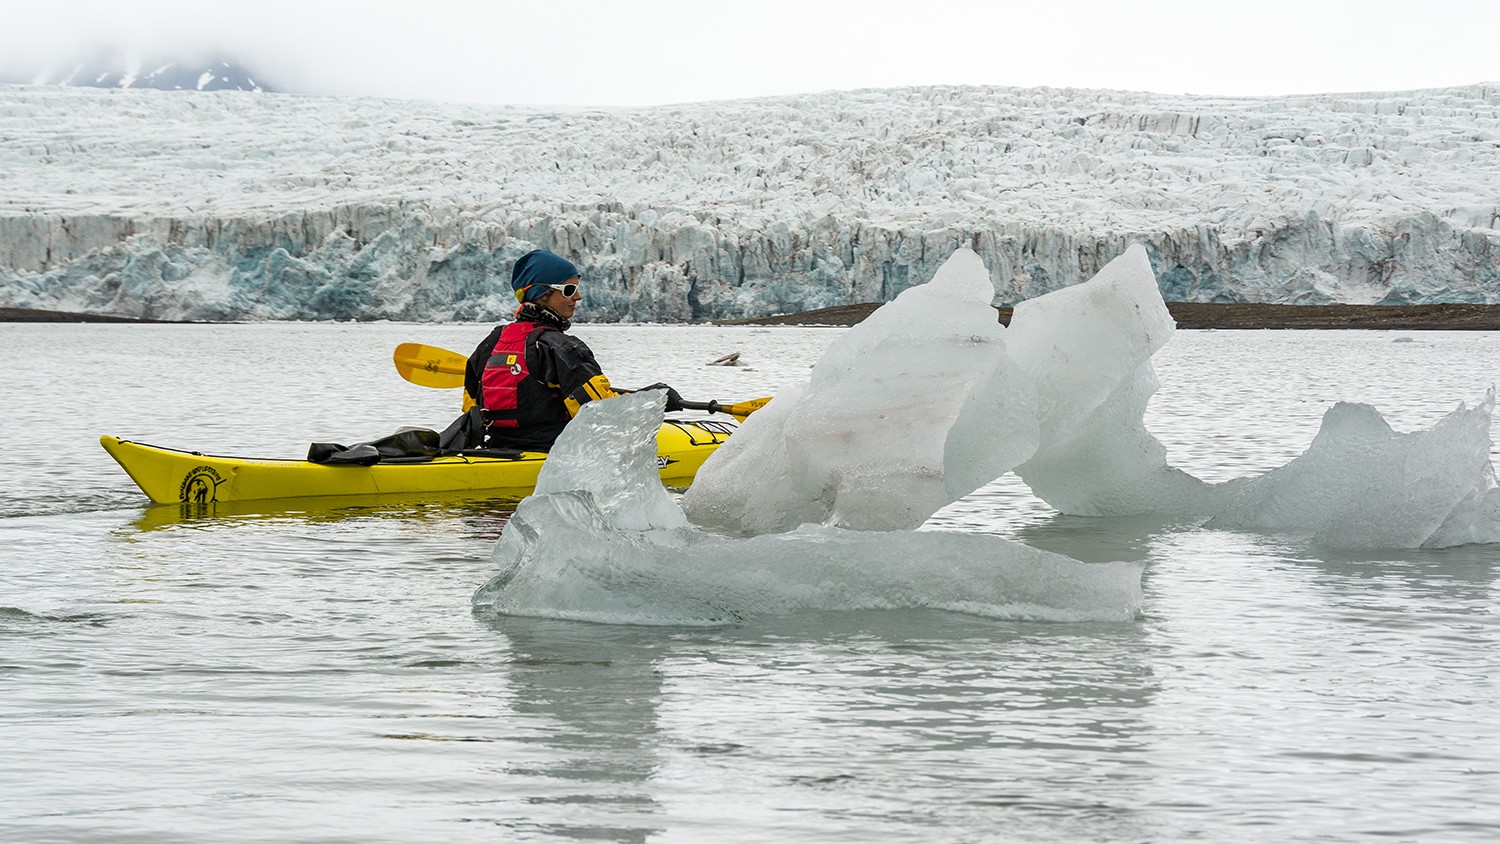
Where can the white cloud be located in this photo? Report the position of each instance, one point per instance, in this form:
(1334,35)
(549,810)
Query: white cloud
(620,53)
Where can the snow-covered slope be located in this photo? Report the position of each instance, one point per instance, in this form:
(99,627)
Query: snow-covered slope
(242,206)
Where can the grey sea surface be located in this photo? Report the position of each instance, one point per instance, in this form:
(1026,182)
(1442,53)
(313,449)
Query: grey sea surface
(316,672)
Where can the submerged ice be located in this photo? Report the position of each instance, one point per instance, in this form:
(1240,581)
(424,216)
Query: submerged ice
(610,545)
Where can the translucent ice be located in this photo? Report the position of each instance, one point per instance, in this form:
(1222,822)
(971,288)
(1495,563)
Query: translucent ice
(906,412)
(607,546)
(1088,350)
(610,467)
(1359,485)
(1363,485)
(929,399)
(1475,521)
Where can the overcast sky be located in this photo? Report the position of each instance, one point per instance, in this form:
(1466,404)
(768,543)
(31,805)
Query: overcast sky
(583,52)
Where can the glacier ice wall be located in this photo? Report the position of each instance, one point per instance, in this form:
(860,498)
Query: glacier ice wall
(611,546)
(241,206)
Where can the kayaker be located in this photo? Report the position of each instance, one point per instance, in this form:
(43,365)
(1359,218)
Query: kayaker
(531,376)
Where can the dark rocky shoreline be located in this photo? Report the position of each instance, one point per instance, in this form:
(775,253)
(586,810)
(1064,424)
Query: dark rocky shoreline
(1448,317)
(28,315)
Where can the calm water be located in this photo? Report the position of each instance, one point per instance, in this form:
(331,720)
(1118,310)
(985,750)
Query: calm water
(319,675)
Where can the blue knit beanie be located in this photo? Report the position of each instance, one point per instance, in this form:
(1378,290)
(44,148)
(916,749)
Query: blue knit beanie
(537,269)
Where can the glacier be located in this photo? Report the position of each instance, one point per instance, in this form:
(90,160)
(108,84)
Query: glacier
(241,206)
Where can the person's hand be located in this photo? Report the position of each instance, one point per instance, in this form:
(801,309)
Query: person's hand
(674,401)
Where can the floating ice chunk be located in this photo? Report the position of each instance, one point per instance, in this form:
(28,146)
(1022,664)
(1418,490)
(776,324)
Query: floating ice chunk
(907,411)
(1475,521)
(1363,485)
(928,400)
(1088,349)
(578,567)
(998,426)
(612,467)
(599,545)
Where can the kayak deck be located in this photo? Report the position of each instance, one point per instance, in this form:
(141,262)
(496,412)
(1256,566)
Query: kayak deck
(168,475)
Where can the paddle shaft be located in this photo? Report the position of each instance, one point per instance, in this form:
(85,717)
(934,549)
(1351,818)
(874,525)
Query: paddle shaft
(431,366)
(740,409)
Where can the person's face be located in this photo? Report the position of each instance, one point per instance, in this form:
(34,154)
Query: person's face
(563,305)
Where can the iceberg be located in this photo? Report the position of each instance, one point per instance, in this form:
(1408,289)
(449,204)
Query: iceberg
(928,400)
(815,503)
(1363,485)
(931,398)
(1087,349)
(608,544)
(884,432)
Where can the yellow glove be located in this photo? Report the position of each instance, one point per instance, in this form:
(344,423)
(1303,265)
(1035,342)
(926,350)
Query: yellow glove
(595,388)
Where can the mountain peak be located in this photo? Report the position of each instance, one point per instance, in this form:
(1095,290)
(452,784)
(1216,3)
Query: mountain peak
(120,69)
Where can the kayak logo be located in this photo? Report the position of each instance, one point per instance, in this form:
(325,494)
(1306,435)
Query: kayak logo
(663,461)
(200,486)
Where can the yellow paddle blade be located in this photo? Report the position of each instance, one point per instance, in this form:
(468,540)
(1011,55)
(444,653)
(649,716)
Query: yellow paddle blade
(747,407)
(430,366)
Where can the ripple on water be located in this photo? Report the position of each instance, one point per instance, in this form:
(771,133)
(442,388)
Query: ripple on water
(306,676)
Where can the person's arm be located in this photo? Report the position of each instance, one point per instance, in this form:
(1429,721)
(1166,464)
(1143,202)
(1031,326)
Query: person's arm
(567,364)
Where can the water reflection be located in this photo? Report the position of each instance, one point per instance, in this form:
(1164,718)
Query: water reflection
(797,721)
(475,517)
(1460,580)
(1256,634)
(1098,539)
(934,715)
(590,694)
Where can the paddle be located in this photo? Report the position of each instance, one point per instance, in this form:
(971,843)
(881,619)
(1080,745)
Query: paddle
(431,366)
(738,409)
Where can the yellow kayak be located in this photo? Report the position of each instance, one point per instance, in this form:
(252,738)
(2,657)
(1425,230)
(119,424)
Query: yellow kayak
(169,476)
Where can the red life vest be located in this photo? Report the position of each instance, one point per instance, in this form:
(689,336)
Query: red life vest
(512,397)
